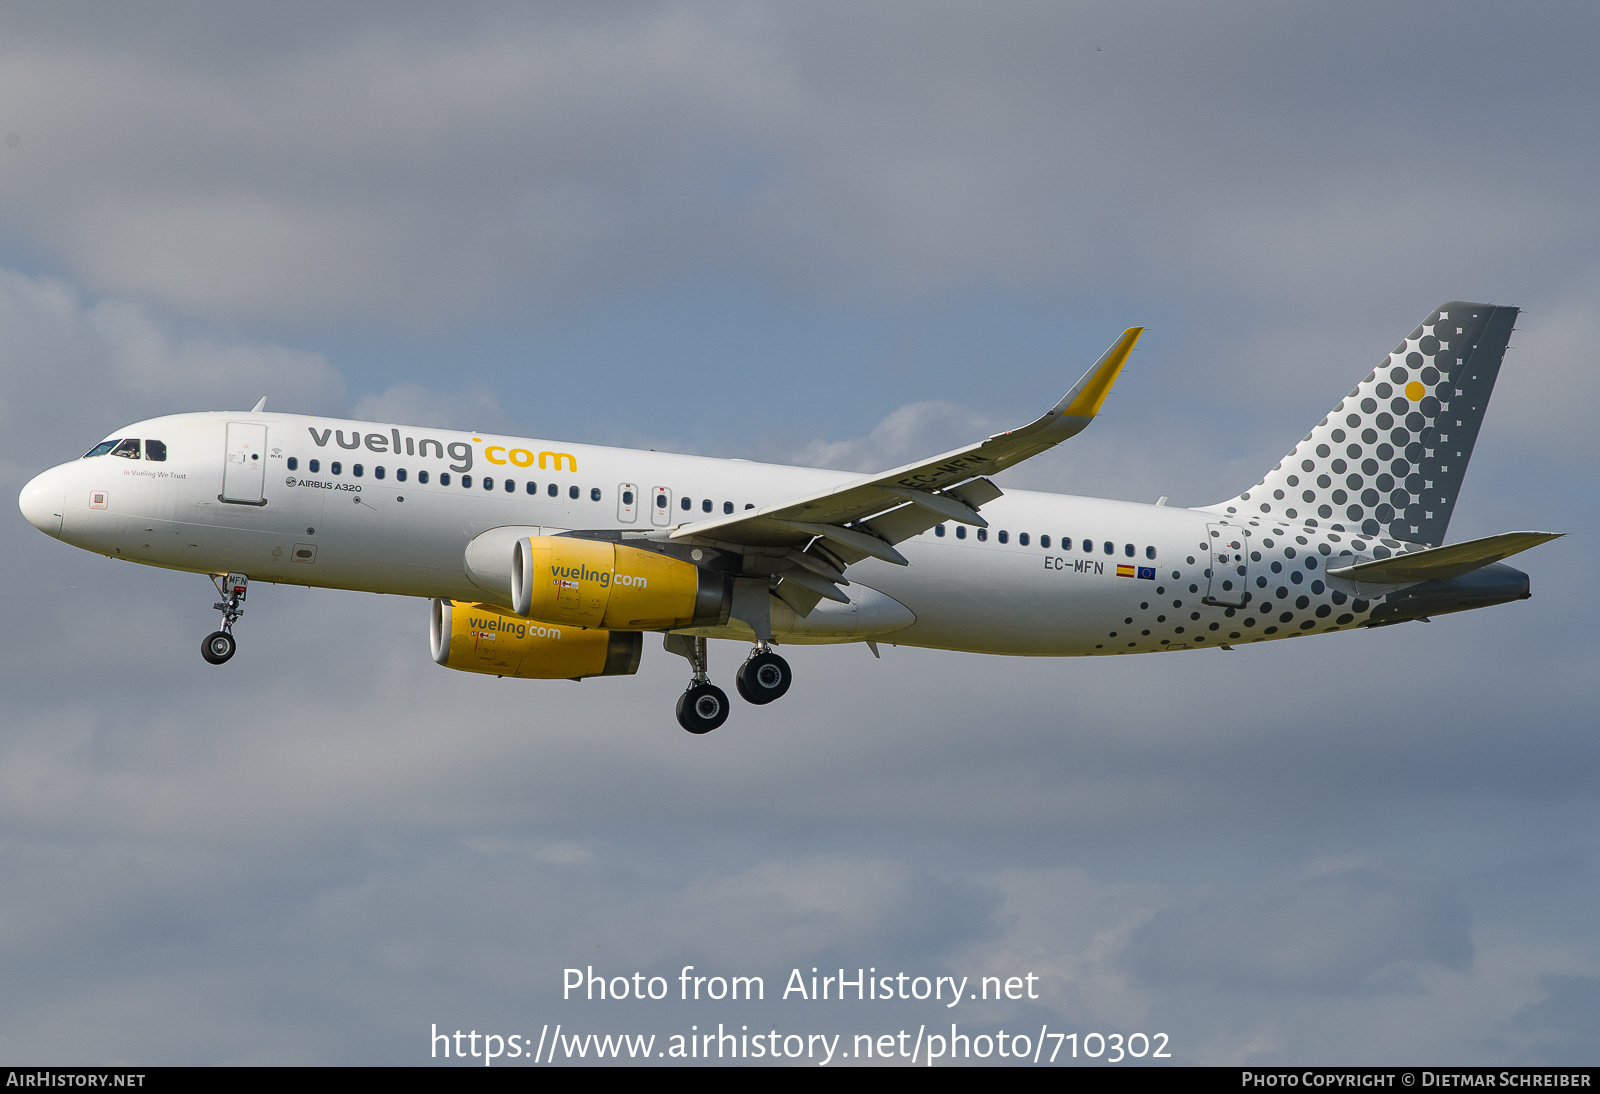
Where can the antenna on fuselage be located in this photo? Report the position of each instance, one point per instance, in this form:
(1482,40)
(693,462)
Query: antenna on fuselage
(260,406)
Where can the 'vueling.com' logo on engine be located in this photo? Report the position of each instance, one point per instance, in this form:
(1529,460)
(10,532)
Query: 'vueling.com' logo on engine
(488,626)
(459,451)
(605,578)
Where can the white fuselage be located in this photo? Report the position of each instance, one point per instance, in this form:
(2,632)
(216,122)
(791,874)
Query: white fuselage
(340,504)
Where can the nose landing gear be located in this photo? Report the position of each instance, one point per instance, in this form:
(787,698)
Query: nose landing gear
(219,646)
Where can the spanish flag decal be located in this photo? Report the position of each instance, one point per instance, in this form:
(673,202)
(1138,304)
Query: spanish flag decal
(1125,571)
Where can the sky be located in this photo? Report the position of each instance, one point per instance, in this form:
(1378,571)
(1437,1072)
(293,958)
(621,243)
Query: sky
(841,235)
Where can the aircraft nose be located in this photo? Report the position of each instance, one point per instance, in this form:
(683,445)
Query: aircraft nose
(43,501)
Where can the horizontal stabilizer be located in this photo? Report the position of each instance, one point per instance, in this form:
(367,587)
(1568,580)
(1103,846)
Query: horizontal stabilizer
(1442,563)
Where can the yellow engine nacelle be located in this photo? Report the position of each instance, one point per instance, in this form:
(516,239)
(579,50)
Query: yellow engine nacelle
(481,638)
(595,583)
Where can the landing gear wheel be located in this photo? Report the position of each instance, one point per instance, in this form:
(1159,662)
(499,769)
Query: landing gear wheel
(763,678)
(702,708)
(218,647)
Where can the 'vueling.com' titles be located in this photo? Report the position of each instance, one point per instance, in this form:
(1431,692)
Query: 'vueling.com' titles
(459,451)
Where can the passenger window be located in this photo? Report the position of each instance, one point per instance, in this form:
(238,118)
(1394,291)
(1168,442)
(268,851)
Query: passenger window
(553,490)
(422,477)
(938,530)
(1088,546)
(155,450)
(377,472)
(400,473)
(627,497)
(961,531)
(488,483)
(128,449)
(356,470)
(1004,537)
(294,464)
(466,480)
(705,506)
(335,467)
(983,534)
(727,507)
(100,449)
(1022,538)
(1149,552)
(572,492)
(1044,541)
(1111,548)
(444,478)
(533,488)
(314,466)
(511,487)
(749,505)
(1127,549)
(683,503)
(594,493)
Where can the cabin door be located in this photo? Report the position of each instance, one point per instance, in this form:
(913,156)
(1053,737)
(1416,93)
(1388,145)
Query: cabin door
(244,473)
(1230,565)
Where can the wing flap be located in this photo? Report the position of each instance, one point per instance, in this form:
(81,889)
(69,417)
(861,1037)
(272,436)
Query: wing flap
(819,585)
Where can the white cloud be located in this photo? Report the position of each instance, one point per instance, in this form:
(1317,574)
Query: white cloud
(475,407)
(71,370)
(915,431)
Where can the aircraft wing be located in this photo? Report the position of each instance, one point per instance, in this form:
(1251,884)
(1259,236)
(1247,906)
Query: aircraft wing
(813,539)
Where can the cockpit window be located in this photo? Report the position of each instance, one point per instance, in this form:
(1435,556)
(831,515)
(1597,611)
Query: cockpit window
(155,450)
(100,449)
(127,449)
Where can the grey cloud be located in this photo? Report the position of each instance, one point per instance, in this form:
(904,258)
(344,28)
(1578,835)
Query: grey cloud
(1561,1026)
(1344,931)
(379,162)
(312,853)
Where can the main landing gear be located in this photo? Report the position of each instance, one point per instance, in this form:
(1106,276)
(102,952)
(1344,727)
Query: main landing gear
(763,677)
(219,646)
(703,706)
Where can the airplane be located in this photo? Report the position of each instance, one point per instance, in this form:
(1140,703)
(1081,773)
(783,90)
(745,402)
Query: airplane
(550,560)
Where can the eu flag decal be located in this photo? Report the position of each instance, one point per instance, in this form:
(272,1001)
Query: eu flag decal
(1147,572)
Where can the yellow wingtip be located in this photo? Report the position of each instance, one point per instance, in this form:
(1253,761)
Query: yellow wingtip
(1097,385)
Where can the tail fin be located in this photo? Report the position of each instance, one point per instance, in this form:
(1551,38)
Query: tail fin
(1389,459)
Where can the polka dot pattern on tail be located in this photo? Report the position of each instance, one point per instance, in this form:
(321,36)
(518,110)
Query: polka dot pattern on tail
(1389,459)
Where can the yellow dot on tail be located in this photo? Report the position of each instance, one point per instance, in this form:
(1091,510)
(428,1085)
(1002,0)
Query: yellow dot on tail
(1415,391)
